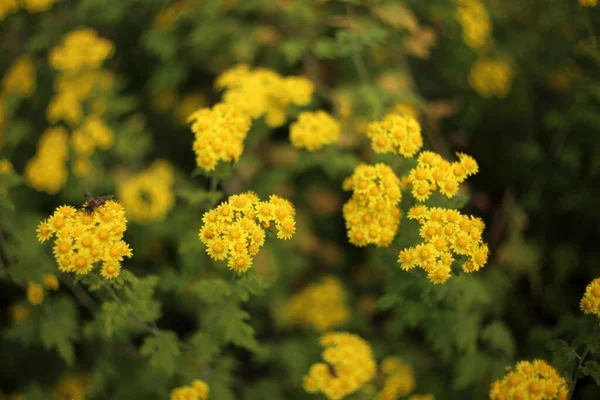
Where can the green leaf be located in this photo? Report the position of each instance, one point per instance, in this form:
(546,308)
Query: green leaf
(251,283)
(591,368)
(386,301)
(232,323)
(59,328)
(205,347)
(114,317)
(466,329)
(212,290)
(199,196)
(470,369)
(163,351)
(140,297)
(498,336)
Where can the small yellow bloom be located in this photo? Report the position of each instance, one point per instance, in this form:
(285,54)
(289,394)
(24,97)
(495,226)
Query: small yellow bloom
(50,281)
(35,293)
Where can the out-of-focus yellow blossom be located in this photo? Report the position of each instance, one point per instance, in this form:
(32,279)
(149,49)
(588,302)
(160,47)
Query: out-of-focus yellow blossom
(5,166)
(320,305)
(93,133)
(398,379)
(166,17)
(198,390)
(445,231)
(530,380)
(71,387)
(491,77)
(35,293)
(475,22)
(396,133)
(79,50)
(50,281)
(588,3)
(19,313)
(434,173)
(13,396)
(20,78)
(36,6)
(348,365)
(407,109)
(314,130)
(372,214)
(83,239)
(148,196)
(220,132)
(590,303)
(263,92)
(235,230)
(188,104)
(47,169)
(8,7)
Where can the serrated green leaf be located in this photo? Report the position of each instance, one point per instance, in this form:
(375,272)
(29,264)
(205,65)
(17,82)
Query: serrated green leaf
(59,328)
(212,290)
(163,350)
(205,347)
(498,336)
(251,283)
(591,368)
(562,350)
(386,301)
(470,369)
(232,324)
(466,329)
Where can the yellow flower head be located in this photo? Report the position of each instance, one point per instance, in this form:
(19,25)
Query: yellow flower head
(348,365)
(590,303)
(398,379)
(35,293)
(50,281)
(396,133)
(36,6)
(84,238)
(220,132)
(199,390)
(148,196)
(320,305)
(313,130)
(20,78)
(588,3)
(372,214)
(235,230)
(80,50)
(475,22)
(533,380)
(491,77)
(47,169)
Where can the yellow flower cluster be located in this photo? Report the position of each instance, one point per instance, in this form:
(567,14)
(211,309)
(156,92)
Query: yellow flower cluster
(588,3)
(35,291)
(236,228)
(433,172)
(168,16)
(264,92)
(20,77)
(348,365)
(427,396)
(475,22)
(91,134)
(197,391)
(530,380)
(398,379)
(80,50)
(148,196)
(396,133)
(47,169)
(590,303)
(32,6)
(219,134)
(86,238)
(72,387)
(314,130)
(320,305)
(372,214)
(445,231)
(491,77)
(5,166)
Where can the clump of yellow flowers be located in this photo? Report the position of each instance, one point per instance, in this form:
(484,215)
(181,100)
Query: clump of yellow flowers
(530,380)
(433,172)
(79,50)
(445,231)
(198,390)
(263,92)
(47,169)
(20,77)
(219,134)
(235,230)
(320,305)
(148,196)
(372,215)
(396,133)
(588,3)
(35,291)
(396,379)
(491,77)
(32,6)
(313,130)
(84,239)
(348,365)
(590,303)
(475,22)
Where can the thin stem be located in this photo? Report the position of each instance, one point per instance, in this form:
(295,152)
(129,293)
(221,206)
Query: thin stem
(361,68)
(153,329)
(581,360)
(80,294)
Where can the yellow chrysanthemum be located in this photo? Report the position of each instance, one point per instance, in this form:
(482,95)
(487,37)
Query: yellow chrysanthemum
(491,77)
(396,133)
(35,293)
(534,380)
(313,130)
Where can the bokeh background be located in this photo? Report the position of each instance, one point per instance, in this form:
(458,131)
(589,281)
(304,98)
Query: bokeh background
(513,84)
